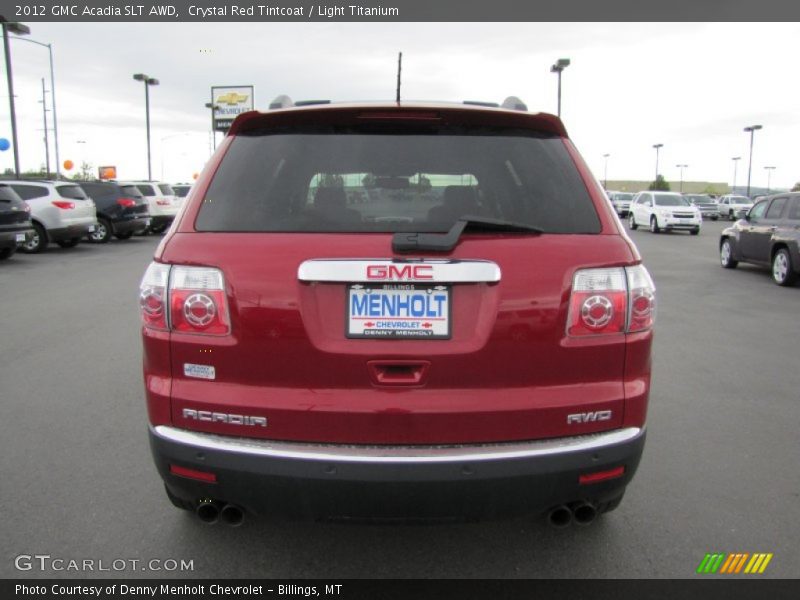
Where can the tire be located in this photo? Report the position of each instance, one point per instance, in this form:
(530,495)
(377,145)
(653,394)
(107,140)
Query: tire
(726,255)
(158,228)
(36,242)
(694,231)
(102,233)
(714,218)
(782,270)
(124,236)
(7,253)
(654,228)
(632,222)
(731,216)
(70,243)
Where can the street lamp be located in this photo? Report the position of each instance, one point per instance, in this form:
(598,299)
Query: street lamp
(769,173)
(560,65)
(148,81)
(682,167)
(19,29)
(605,172)
(751,129)
(52,96)
(735,160)
(657,147)
(213,107)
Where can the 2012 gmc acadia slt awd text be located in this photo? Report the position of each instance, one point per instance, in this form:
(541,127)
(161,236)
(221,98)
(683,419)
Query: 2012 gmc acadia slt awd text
(397,310)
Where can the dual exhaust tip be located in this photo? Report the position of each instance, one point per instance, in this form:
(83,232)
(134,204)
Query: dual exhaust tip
(582,513)
(210,511)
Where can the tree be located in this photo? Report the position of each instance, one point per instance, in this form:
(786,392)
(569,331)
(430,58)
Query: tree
(796,187)
(85,172)
(659,185)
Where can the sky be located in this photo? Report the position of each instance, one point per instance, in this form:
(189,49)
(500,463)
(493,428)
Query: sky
(692,87)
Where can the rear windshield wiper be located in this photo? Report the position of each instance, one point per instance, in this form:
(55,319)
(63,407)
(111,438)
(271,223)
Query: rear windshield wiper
(444,242)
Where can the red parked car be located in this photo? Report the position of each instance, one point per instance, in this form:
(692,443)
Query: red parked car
(397,310)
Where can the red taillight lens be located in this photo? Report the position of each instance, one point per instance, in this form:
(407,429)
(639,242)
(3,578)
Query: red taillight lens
(197,301)
(126,202)
(587,478)
(193,474)
(63,204)
(153,296)
(606,301)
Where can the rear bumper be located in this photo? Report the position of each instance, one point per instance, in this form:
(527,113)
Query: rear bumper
(131,224)
(471,481)
(71,231)
(9,235)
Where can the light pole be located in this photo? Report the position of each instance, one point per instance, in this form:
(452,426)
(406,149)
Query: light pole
(213,107)
(735,160)
(52,96)
(558,67)
(605,172)
(657,147)
(769,173)
(751,129)
(682,167)
(19,29)
(44,118)
(148,81)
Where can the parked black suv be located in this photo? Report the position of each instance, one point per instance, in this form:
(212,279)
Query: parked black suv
(15,221)
(121,210)
(768,235)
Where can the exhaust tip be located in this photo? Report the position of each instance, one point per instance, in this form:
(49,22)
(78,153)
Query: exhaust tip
(560,516)
(207,512)
(232,515)
(584,513)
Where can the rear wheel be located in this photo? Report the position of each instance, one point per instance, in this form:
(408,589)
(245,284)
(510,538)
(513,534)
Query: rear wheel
(632,222)
(102,231)
(695,231)
(36,242)
(123,236)
(654,228)
(6,253)
(70,243)
(782,271)
(158,228)
(726,255)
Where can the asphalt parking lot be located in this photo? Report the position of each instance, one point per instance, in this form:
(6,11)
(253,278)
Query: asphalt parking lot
(719,473)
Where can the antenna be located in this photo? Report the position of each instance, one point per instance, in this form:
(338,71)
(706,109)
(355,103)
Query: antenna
(399,70)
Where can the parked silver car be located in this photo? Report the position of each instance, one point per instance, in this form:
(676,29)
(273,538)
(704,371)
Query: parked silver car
(162,203)
(61,212)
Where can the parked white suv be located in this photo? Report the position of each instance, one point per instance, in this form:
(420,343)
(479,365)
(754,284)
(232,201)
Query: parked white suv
(664,211)
(730,204)
(162,203)
(61,212)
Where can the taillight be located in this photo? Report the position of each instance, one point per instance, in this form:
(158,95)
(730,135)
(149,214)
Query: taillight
(126,202)
(153,296)
(63,204)
(185,299)
(615,300)
(197,301)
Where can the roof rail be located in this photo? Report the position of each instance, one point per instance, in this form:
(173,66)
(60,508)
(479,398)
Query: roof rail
(282,101)
(514,103)
(311,102)
(481,103)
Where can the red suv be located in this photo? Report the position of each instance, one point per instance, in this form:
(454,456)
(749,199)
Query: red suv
(397,310)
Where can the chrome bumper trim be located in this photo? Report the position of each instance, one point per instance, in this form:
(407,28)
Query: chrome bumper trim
(395,454)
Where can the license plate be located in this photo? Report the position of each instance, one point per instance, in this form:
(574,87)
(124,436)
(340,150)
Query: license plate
(20,237)
(91,228)
(398,311)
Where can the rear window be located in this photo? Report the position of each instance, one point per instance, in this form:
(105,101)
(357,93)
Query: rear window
(166,189)
(73,192)
(146,190)
(623,196)
(130,190)
(29,192)
(8,194)
(358,181)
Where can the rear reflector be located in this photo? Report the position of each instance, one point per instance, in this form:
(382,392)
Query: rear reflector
(193,474)
(588,478)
